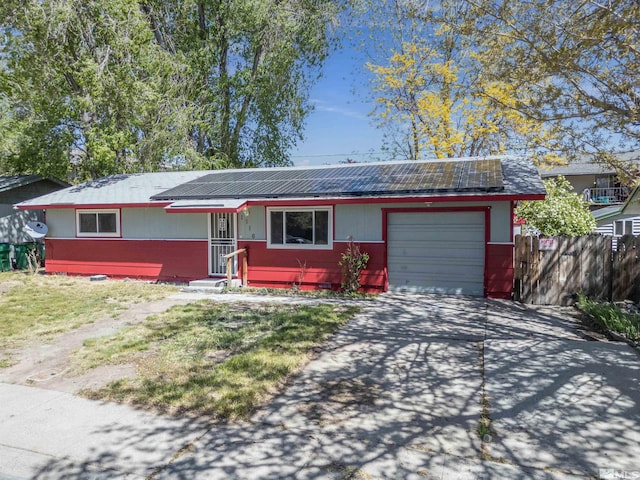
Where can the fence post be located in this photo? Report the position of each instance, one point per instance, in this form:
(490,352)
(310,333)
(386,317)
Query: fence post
(535,263)
(517,269)
(634,270)
(608,266)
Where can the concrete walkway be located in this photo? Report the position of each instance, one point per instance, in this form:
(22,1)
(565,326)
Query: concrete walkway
(398,393)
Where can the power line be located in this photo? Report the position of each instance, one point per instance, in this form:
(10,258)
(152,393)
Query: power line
(339,154)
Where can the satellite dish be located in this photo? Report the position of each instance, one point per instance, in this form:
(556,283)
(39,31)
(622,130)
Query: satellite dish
(36,229)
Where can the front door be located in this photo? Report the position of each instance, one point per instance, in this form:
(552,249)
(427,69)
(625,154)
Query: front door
(222,241)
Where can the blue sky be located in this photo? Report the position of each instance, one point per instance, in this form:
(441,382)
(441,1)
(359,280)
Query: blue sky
(339,127)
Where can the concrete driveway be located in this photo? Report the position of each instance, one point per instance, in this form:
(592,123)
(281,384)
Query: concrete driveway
(399,393)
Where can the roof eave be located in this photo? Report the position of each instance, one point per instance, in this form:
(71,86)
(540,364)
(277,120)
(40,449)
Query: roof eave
(29,179)
(47,206)
(486,196)
(632,203)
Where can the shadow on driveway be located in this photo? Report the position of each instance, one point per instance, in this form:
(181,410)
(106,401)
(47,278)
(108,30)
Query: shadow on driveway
(397,393)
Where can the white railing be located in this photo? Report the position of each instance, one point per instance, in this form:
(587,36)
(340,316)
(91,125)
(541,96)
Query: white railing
(607,195)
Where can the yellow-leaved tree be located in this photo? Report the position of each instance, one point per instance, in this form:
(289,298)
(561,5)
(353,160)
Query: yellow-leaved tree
(436,95)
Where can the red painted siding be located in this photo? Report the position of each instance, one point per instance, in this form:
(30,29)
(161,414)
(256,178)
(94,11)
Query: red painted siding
(175,260)
(499,266)
(281,268)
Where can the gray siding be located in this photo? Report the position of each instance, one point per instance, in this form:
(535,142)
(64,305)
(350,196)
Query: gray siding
(137,223)
(364,222)
(361,222)
(608,229)
(156,224)
(252,227)
(61,223)
(605,229)
(501,221)
(12,222)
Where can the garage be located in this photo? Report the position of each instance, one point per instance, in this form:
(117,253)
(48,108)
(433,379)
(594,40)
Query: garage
(436,252)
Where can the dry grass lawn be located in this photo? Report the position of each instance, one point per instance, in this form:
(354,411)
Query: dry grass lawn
(40,306)
(214,359)
(221,360)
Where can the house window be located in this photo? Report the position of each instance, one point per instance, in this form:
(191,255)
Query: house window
(98,223)
(299,228)
(623,227)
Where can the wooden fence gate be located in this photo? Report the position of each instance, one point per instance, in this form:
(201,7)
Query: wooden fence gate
(551,271)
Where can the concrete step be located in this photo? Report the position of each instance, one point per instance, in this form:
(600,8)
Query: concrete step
(208,283)
(203,289)
(213,285)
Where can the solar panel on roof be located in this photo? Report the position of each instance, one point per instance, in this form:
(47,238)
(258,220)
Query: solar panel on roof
(352,180)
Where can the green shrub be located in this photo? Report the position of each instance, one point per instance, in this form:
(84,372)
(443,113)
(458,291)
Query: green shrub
(353,262)
(611,317)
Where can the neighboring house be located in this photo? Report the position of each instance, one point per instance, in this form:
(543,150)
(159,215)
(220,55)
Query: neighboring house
(606,195)
(620,220)
(18,188)
(598,183)
(431,226)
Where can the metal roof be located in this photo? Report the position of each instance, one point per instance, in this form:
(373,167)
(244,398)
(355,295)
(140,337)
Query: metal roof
(115,189)
(484,175)
(9,182)
(630,208)
(495,176)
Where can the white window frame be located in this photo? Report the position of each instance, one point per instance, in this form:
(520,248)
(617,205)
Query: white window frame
(300,246)
(624,224)
(96,211)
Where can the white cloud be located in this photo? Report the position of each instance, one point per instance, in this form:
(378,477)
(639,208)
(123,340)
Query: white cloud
(322,106)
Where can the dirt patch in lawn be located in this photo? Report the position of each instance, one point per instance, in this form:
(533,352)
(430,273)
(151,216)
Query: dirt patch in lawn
(49,365)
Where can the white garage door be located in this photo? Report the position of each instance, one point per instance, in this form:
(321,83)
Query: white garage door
(437,252)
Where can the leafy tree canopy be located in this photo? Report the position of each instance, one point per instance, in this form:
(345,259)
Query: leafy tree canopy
(89,88)
(562,212)
(466,77)
(436,96)
(580,62)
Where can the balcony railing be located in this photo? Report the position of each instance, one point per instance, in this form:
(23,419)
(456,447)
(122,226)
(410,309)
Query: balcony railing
(607,196)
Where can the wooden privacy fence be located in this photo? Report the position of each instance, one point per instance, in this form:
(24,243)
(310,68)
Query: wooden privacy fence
(551,271)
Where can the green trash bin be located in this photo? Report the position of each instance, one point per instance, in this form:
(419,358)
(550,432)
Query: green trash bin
(21,252)
(5,261)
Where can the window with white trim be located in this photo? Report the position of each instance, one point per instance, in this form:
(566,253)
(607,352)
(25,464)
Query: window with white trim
(300,227)
(623,227)
(98,223)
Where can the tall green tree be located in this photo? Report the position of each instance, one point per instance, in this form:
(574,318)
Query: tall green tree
(104,86)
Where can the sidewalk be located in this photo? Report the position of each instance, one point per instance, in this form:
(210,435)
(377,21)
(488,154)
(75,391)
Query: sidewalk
(52,435)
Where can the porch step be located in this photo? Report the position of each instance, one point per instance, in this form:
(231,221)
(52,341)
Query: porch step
(210,285)
(208,282)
